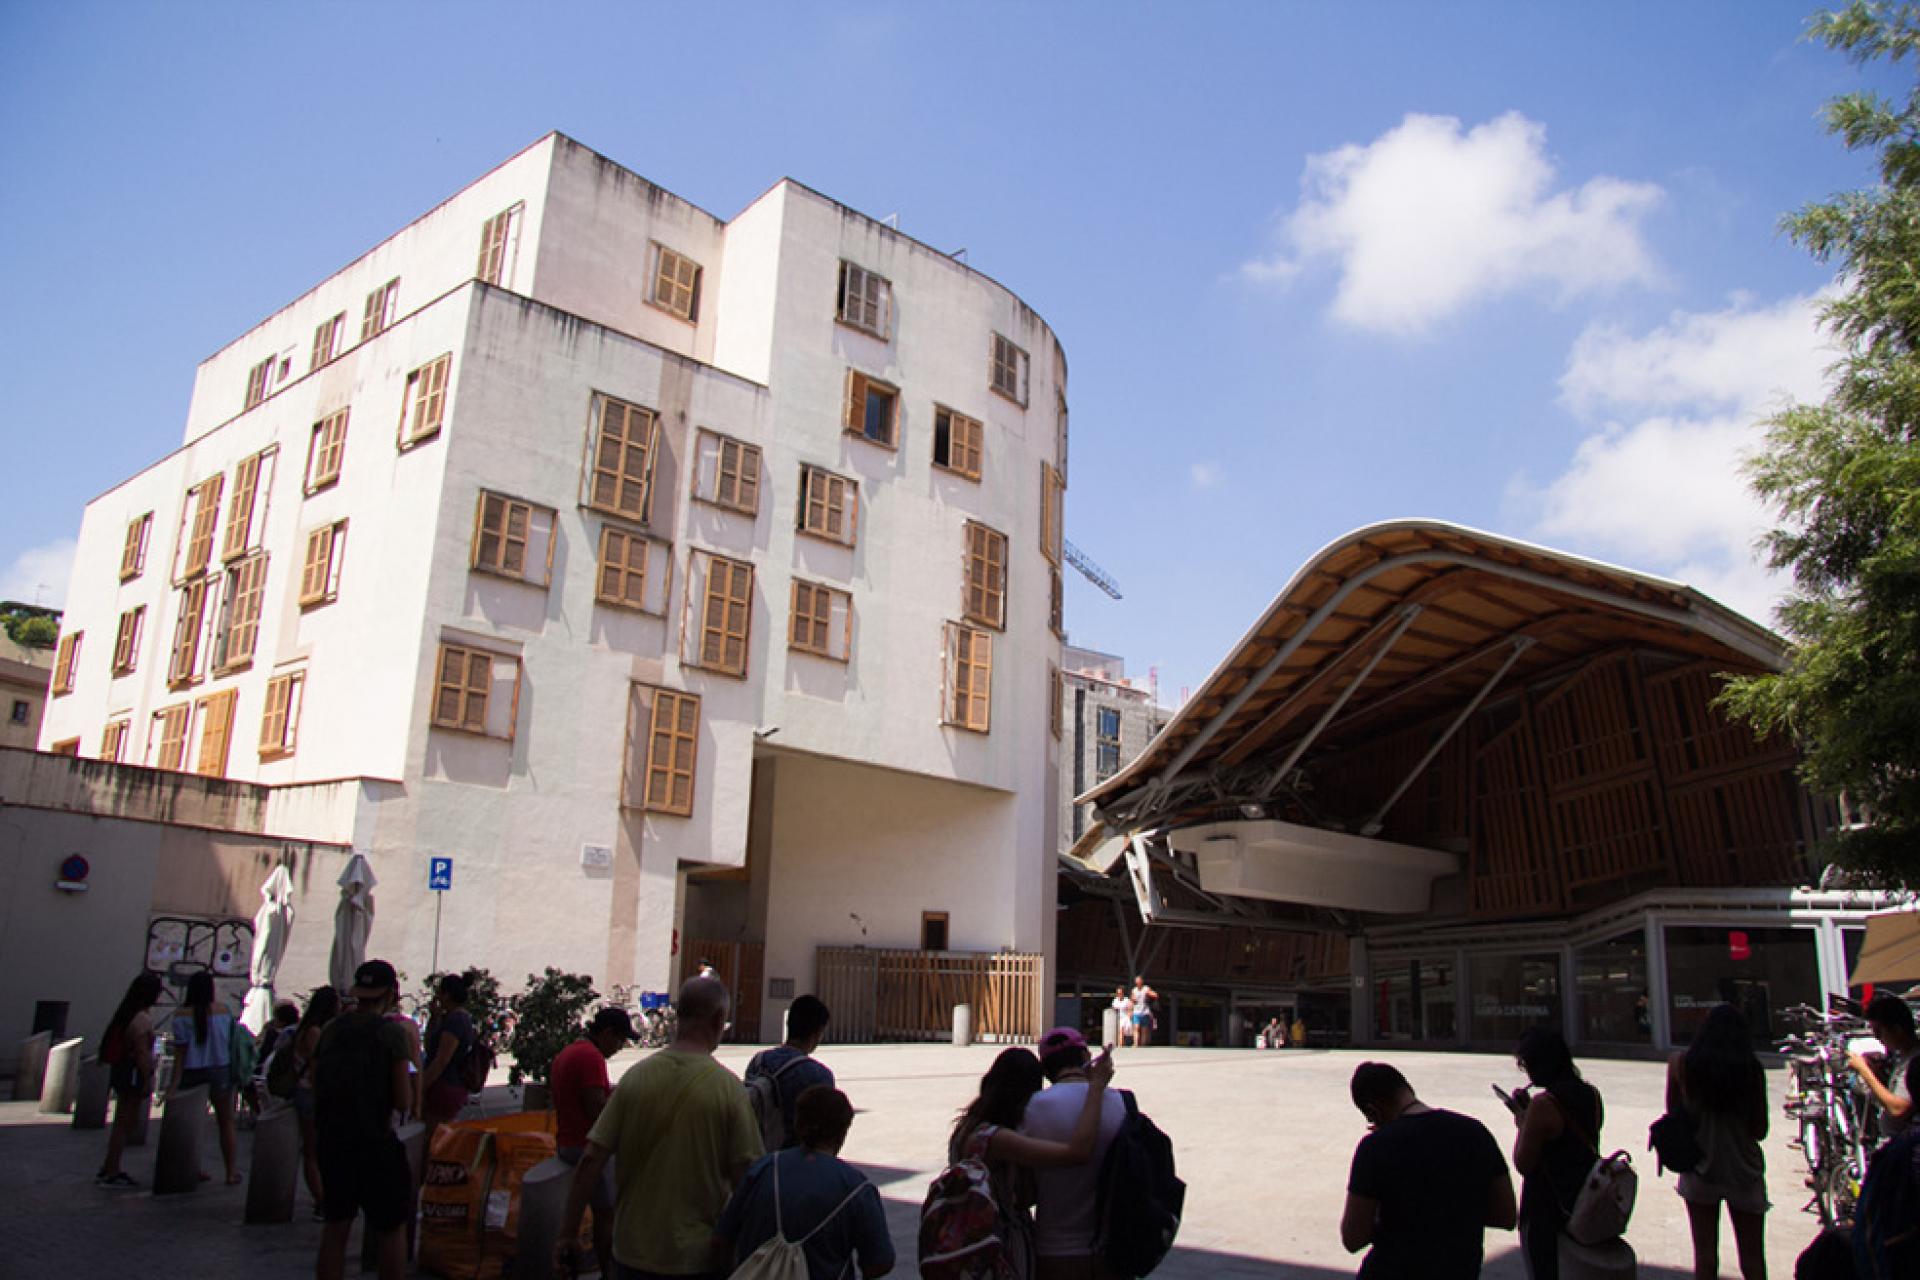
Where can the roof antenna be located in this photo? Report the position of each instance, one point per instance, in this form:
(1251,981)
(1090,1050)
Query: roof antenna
(891,220)
(959,255)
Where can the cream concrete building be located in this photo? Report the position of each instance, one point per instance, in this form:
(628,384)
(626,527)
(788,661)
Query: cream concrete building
(671,575)
(25,674)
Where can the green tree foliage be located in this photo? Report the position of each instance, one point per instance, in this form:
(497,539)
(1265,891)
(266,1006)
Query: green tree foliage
(35,630)
(547,1017)
(485,1005)
(1844,476)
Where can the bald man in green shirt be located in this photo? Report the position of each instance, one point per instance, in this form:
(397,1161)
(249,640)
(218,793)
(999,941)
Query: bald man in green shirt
(684,1133)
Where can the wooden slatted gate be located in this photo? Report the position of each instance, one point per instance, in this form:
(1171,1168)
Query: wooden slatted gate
(742,966)
(910,995)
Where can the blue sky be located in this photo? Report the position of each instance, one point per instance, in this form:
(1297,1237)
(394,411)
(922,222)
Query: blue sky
(1314,265)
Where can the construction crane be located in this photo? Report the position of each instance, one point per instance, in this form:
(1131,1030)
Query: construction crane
(1089,570)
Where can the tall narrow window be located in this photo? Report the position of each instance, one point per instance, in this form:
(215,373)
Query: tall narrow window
(1056,605)
(239,631)
(728,473)
(133,553)
(513,538)
(204,500)
(1008,370)
(499,238)
(623,570)
(672,742)
(829,505)
(722,591)
(126,641)
(676,283)
(969,700)
(326,340)
(326,451)
(424,406)
(821,621)
(1106,742)
(957,443)
(1052,492)
(621,478)
(873,409)
(259,378)
(65,661)
(183,667)
(1056,700)
(380,307)
(320,568)
(866,300)
(986,577)
(933,931)
(1060,438)
(241,529)
(215,713)
(113,740)
(280,722)
(476,691)
(167,735)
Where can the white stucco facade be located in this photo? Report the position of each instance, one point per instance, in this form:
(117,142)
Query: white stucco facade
(871,804)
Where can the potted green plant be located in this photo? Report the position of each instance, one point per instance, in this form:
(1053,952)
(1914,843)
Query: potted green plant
(547,1017)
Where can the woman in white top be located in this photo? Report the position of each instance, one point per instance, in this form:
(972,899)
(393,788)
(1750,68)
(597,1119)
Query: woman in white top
(203,1038)
(1123,1011)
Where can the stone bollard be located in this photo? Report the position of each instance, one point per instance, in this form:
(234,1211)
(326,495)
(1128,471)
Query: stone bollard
(962,1025)
(31,1070)
(62,1080)
(1110,1025)
(543,1202)
(92,1094)
(176,1165)
(274,1173)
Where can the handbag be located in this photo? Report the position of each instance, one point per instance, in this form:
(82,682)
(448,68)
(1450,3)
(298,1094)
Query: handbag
(1674,1143)
(1605,1203)
(1609,1260)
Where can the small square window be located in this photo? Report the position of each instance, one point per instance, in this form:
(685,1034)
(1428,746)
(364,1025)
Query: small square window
(957,442)
(676,283)
(829,505)
(632,571)
(1009,370)
(513,539)
(476,691)
(821,621)
(866,300)
(933,931)
(873,409)
(727,473)
(22,711)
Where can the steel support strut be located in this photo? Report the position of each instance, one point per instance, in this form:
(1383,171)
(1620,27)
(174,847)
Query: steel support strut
(1274,779)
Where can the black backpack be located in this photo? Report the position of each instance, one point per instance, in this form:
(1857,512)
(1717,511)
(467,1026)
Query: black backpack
(1140,1197)
(353,1078)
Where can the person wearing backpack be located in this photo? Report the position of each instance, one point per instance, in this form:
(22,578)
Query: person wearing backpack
(1557,1145)
(1066,1203)
(360,1086)
(290,1075)
(802,1213)
(445,1047)
(1721,1085)
(126,1050)
(987,1137)
(776,1077)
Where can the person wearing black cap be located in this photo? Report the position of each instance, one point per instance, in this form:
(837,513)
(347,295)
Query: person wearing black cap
(360,1084)
(579,1086)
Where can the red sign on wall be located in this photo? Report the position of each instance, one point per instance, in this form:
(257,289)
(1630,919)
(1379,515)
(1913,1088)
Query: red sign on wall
(1738,948)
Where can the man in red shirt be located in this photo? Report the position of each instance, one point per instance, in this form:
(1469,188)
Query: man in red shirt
(579,1086)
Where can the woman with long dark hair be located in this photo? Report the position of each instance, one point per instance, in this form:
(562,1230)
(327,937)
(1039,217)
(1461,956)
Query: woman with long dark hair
(203,1038)
(1722,1086)
(448,1041)
(1558,1142)
(322,1005)
(988,1130)
(127,1050)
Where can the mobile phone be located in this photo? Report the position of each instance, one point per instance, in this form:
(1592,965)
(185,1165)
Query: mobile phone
(1506,1098)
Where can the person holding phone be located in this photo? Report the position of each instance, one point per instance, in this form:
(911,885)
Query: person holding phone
(1066,1224)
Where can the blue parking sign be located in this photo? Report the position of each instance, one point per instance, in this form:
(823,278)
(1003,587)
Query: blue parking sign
(439,874)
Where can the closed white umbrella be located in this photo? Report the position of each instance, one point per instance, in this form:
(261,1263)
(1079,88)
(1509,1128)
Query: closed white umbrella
(352,922)
(271,925)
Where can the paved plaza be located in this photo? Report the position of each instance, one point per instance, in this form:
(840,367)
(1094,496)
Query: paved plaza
(1263,1140)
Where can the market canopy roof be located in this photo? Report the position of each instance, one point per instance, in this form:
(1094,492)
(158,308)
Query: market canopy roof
(1395,624)
(1891,952)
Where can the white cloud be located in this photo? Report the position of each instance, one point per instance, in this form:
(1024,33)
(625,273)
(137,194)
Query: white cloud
(1430,218)
(1203,475)
(39,575)
(1660,485)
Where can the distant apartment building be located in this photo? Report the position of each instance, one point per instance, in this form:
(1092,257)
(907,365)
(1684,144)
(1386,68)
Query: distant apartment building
(26,673)
(1109,720)
(688,581)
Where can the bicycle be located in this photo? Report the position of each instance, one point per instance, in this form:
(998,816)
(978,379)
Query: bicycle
(1832,1112)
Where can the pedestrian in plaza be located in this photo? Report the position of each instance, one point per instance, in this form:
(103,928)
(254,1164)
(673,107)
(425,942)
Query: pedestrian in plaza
(807,1195)
(790,1070)
(988,1130)
(1066,1197)
(1143,997)
(679,1124)
(322,1007)
(579,1087)
(1297,1034)
(1123,1015)
(1720,1083)
(1424,1186)
(126,1049)
(278,1031)
(1275,1033)
(360,1089)
(203,1030)
(1891,1021)
(448,1040)
(1558,1142)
